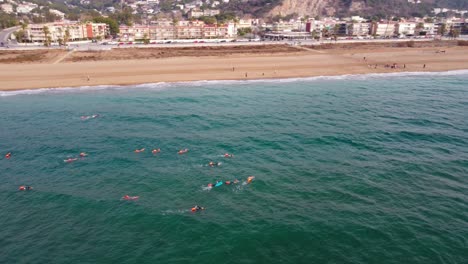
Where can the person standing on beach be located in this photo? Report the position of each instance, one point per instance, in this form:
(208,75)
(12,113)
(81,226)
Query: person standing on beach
(424,66)
(245,75)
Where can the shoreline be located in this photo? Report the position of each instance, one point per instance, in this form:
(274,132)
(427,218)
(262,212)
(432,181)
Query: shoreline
(4,93)
(303,63)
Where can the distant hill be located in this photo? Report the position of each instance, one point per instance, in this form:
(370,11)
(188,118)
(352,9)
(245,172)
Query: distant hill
(382,8)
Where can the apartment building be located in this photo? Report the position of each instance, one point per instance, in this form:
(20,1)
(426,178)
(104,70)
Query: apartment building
(406,28)
(164,30)
(360,29)
(58,30)
(384,29)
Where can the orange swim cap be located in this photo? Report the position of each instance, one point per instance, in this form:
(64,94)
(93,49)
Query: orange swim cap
(193,209)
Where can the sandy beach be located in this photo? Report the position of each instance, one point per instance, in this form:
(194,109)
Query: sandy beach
(72,69)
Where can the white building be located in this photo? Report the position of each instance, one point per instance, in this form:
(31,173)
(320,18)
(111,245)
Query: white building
(7,8)
(58,30)
(384,29)
(25,8)
(360,29)
(406,28)
(57,13)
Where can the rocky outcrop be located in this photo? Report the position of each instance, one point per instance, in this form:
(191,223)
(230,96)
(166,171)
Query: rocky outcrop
(301,7)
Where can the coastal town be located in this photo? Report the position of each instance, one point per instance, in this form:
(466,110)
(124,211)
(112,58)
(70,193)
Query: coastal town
(195,22)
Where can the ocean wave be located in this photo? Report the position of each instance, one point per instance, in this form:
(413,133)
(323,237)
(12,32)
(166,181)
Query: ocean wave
(163,85)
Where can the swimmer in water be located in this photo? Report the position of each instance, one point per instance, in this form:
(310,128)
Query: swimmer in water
(236,181)
(8,155)
(250,178)
(139,150)
(156,151)
(197,208)
(70,160)
(182,151)
(83,154)
(227,155)
(25,188)
(128,198)
(214,164)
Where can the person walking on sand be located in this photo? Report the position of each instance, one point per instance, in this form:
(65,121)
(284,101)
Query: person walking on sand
(424,66)
(245,75)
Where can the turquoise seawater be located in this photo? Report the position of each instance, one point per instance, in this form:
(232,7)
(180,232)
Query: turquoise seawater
(351,169)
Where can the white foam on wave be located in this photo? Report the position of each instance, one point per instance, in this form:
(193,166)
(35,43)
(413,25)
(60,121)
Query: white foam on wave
(203,83)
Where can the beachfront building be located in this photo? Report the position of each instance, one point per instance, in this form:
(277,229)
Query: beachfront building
(244,23)
(282,26)
(458,24)
(428,29)
(406,28)
(60,30)
(132,33)
(314,27)
(360,29)
(383,29)
(165,30)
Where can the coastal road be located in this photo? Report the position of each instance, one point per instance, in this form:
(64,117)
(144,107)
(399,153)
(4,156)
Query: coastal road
(5,34)
(96,46)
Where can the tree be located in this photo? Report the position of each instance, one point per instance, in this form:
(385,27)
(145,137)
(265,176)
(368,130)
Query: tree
(20,35)
(47,38)
(209,20)
(350,29)
(336,29)
(66,37)
(243,31)
(7,20)
(124,17)
(24,25)
(454,33)
(419,28)
(146,39)
(315,34)
(429,20)
(442,29)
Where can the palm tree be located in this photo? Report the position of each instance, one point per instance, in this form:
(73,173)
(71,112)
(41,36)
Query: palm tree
(47,39)
(66,38)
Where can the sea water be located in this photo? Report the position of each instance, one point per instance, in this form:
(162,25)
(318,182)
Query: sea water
(350,169)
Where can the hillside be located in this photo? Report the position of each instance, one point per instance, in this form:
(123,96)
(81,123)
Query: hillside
(381,8)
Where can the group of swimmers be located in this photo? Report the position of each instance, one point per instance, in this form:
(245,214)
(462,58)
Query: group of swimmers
(127,197)
(158,150)
(236,181)
(82,155)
